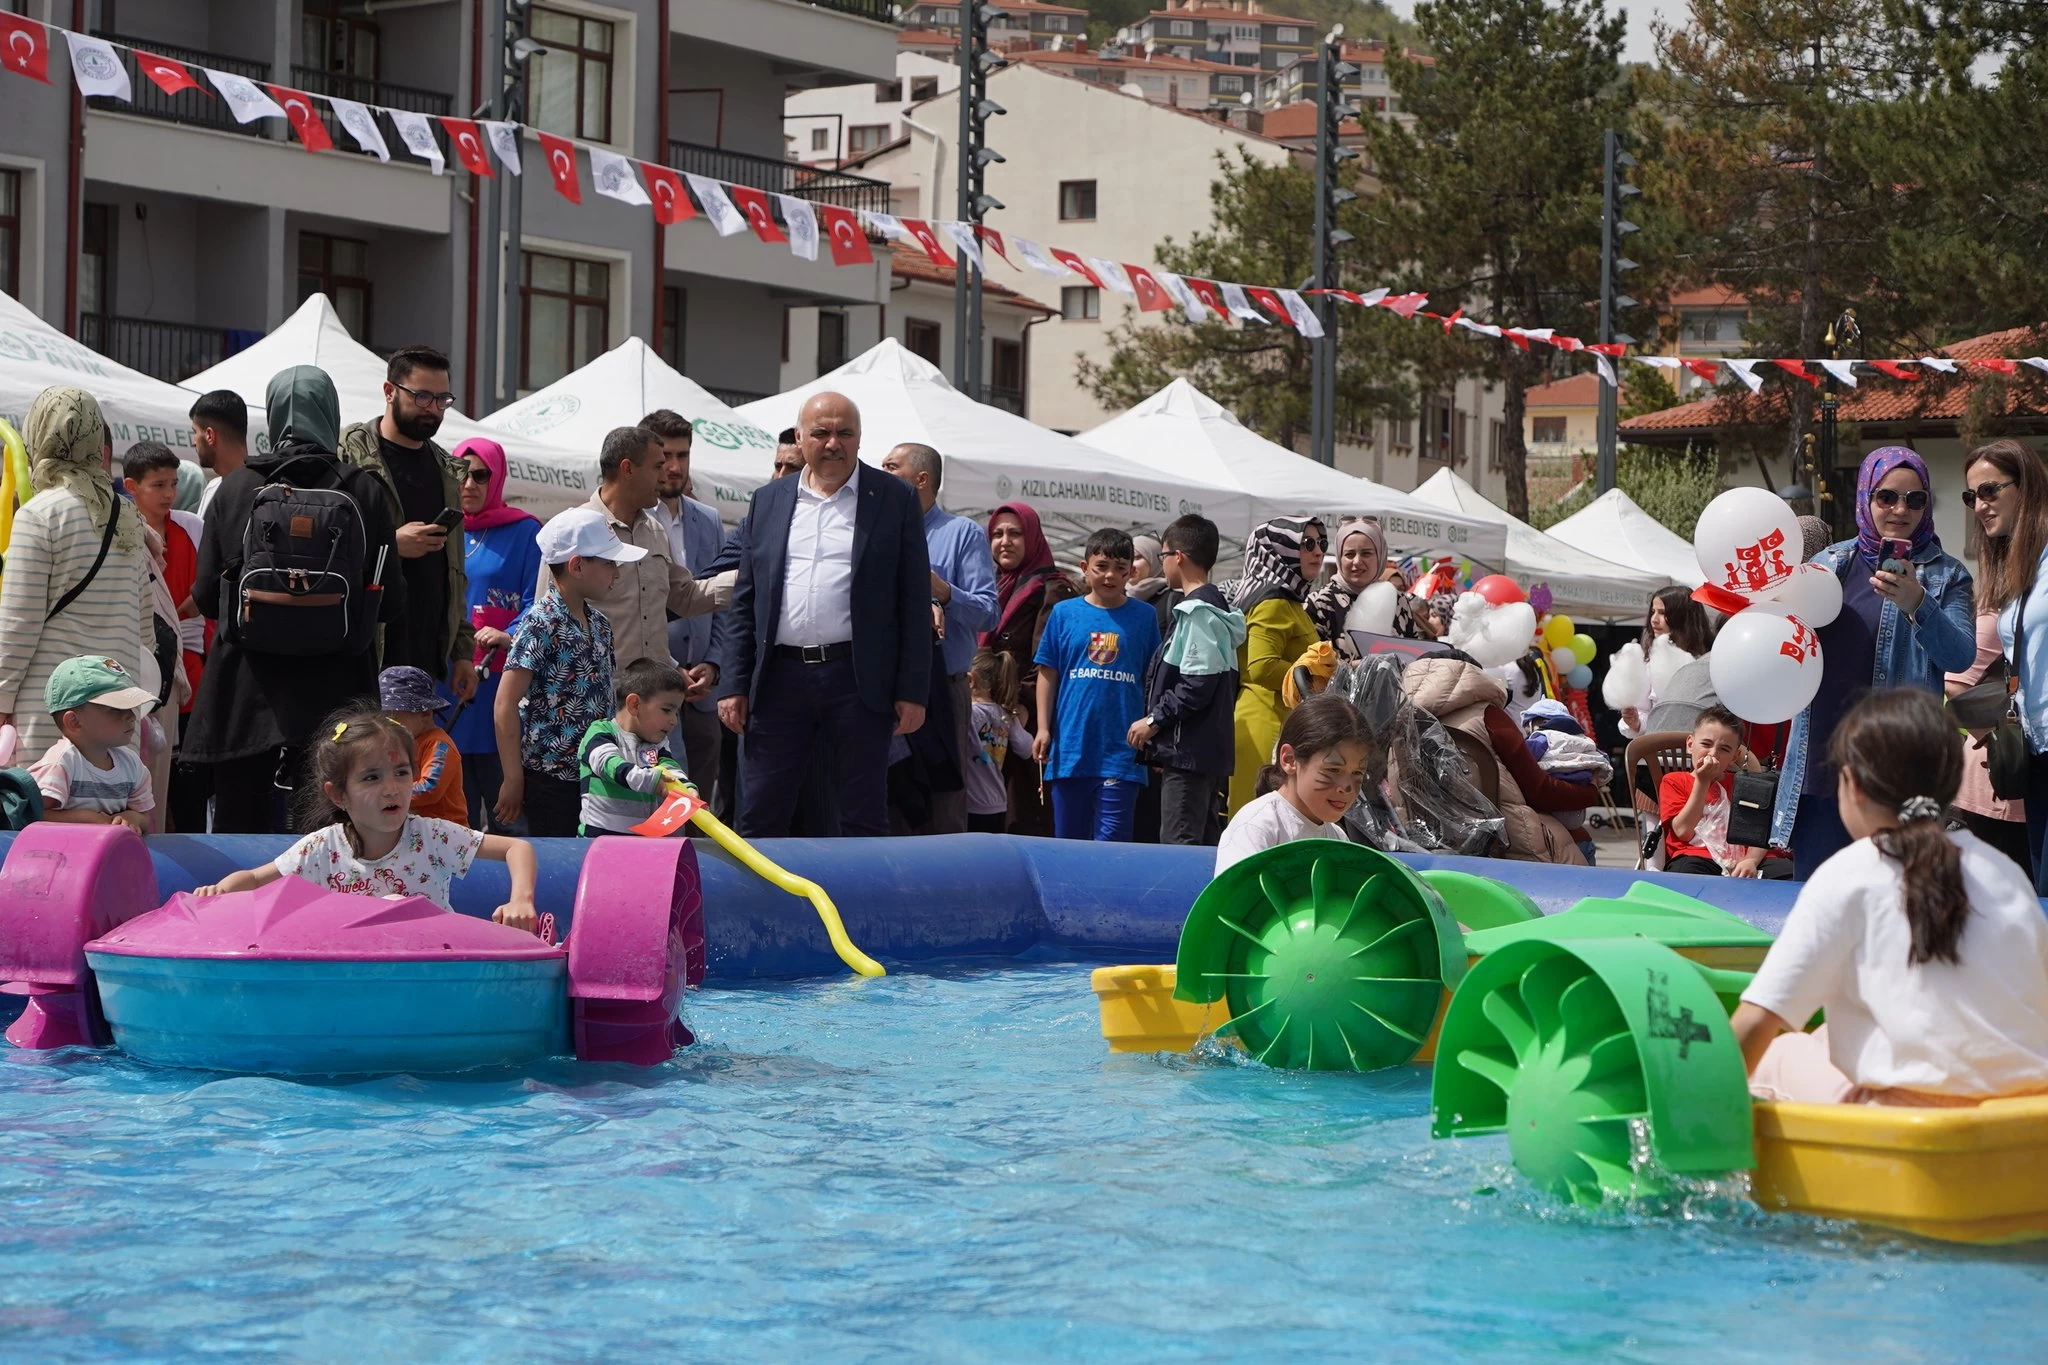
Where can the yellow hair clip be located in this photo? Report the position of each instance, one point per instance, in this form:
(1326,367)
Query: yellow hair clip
(339,730)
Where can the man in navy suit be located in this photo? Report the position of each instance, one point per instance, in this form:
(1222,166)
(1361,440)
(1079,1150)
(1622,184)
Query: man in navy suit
(828,642)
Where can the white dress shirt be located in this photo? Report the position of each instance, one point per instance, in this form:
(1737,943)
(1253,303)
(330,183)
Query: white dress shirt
(817,578)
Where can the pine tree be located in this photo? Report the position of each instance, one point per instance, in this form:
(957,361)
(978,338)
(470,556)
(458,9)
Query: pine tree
(1492,185)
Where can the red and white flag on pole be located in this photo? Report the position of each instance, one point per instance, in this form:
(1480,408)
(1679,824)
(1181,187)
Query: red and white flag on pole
(561,155)
(168,76)
(97,68)
(671,201)
(842,230)
(305,119)
(24,47)
(468,141)
(754,204)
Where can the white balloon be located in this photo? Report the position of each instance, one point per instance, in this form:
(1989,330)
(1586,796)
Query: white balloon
(1765,664)
(1747,540)
(1563,660)
(1812,593)
(1373,610)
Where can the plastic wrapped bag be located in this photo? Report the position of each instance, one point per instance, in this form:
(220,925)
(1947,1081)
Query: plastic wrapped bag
(1440,810)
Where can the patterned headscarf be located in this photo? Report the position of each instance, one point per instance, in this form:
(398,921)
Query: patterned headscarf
(1272,562)
(1877,466)
(1329,605)
(67,448)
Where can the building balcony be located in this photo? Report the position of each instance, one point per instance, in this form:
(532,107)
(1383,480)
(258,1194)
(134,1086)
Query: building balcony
(781,177)
(170,351)
(1002,396)
(881,11)
(317,81)
(201,108)
(734,398)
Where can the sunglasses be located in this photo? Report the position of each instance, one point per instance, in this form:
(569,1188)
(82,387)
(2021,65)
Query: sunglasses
(427,399)
(1988,492)
(475,475)
(1889,497)
(1311,543)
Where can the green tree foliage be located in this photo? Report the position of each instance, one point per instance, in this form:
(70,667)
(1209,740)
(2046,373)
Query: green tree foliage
(1263,233)
(1492,188)
(1672,486)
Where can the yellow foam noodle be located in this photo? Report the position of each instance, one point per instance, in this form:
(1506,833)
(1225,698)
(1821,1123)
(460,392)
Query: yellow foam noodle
(1961,1175)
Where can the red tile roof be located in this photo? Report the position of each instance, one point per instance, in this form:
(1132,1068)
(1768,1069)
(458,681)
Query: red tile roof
(1160,61)
(1713,296)
(1298,120)
(1937,398)
(1576,391)
(910,263)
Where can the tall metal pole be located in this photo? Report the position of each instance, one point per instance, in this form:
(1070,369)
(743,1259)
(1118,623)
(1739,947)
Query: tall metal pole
(1321,445)
(963,184)
(515,190)
(491,98)
(1610,404)
(1842,334)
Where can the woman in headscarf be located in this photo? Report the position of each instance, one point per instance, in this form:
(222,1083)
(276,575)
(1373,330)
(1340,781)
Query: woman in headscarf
(256,711)
(1148,577)
(1361,561)
(1904,626)
(501,554)
(1028,586)
(56,552)
(1280,566)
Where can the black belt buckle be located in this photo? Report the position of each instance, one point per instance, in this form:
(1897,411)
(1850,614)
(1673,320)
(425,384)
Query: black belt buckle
(813,654)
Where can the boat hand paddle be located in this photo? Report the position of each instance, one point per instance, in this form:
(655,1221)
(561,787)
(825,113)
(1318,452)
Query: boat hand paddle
(684,806)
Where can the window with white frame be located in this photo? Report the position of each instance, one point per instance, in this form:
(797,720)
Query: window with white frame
(1080,303)
(1055,23)
(821,139)
(1287,35)
(1547,431)
(1180,28)
(567,315)
(571,80)
(866,137)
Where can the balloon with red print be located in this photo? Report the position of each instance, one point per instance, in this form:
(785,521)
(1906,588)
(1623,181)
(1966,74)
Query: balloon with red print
(1747,541)
(1812,593)
(1499,589)
(1765,664)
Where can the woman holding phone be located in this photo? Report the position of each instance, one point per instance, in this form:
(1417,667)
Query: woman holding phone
(1907,620)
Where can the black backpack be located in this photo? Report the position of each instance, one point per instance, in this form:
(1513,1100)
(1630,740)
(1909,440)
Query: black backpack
(304,584)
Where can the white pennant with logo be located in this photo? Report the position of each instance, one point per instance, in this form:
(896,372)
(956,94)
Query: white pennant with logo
(1304,318)
(802,222)
(962,235)
(1177,289)
(1745,370)
(505,143)
(97,68)
(418,136)
(246,99)
(1035,257)
(1112,274)
(1240,306)
(614,177)
(362,126)
(718,206)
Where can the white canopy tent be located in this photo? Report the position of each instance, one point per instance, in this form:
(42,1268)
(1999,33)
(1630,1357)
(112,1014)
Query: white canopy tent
(1582,586)
(1613,527)
(1182,431)
(729,455)
(35,355)
(993,457)
(542,476)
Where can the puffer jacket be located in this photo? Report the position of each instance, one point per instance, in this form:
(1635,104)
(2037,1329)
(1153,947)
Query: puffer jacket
(1464,697)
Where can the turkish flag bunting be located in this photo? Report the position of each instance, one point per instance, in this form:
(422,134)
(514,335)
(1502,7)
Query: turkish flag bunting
(1450,321)
(671,201)
(24,47)
(1077,265)
(926,238)
(1797,369)
(1405,304)
(1894,369)
(1515,335)
(170,76)
(1152,295)
(561,155)
(1208,293)
(1607,348)
(1705,369)
(1568,344)
(754,203)
(995,240)
(305,120)
(469,146)
(1998,366)
(842,230)
(1269,301)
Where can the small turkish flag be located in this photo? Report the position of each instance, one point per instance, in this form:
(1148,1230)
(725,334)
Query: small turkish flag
(842,230)
(24,47)
(1705,369)
(1152,295)
(1608,348)
(754,204)
(926,238)
(1077,265)
(170,76)
(1894,369)
(1998,366)
(1404,305)
(561,155)
(1269,301)
(305,119)
(1796,368)
(1208,293)
(995,240)
(671,201)
(469,146)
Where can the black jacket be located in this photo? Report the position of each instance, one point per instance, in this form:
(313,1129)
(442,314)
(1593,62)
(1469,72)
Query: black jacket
(253,703)
(891,598)
(1195,716)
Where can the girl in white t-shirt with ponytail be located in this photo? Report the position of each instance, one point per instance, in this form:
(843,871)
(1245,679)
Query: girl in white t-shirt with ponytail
(1317,768)
(1925,946)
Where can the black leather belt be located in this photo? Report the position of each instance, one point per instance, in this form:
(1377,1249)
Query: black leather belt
(816,654)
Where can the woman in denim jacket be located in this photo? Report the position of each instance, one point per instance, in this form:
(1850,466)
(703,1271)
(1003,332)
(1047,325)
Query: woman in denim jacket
(1895,630)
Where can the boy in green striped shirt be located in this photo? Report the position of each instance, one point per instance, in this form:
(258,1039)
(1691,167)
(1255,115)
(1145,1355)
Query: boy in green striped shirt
(622,762)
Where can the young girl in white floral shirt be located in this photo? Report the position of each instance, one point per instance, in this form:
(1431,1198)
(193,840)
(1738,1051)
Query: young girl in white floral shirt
(369,843)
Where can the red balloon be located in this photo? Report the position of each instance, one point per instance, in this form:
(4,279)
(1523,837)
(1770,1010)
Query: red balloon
(1499,589)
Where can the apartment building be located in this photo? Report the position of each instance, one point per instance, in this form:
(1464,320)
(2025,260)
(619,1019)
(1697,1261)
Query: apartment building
(1295,80)
(193,233)
(1704,324)
(1021,26)
(1182,82)
(1236,34)
(833,124)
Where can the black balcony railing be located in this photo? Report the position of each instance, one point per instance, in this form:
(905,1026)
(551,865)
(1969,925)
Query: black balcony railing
(315,81)
(203,107)
(781,177)
(733,398)
(881,11)
(1008,399)
(170,351)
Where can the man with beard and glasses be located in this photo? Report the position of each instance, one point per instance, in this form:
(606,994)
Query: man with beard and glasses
(421,484)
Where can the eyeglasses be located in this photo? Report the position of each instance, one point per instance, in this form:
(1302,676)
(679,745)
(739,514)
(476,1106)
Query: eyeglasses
(475,475)
(1987,491)
(425,399)
(1889,497)
(1311,543)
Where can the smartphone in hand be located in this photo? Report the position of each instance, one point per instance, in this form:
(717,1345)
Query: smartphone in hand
(1898,557)
(450,519)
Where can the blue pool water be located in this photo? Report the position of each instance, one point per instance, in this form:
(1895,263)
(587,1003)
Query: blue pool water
(925,1166)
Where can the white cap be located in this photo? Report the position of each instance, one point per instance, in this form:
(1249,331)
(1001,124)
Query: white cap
(584,531)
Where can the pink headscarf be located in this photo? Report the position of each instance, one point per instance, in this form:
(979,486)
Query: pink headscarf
(495,510)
